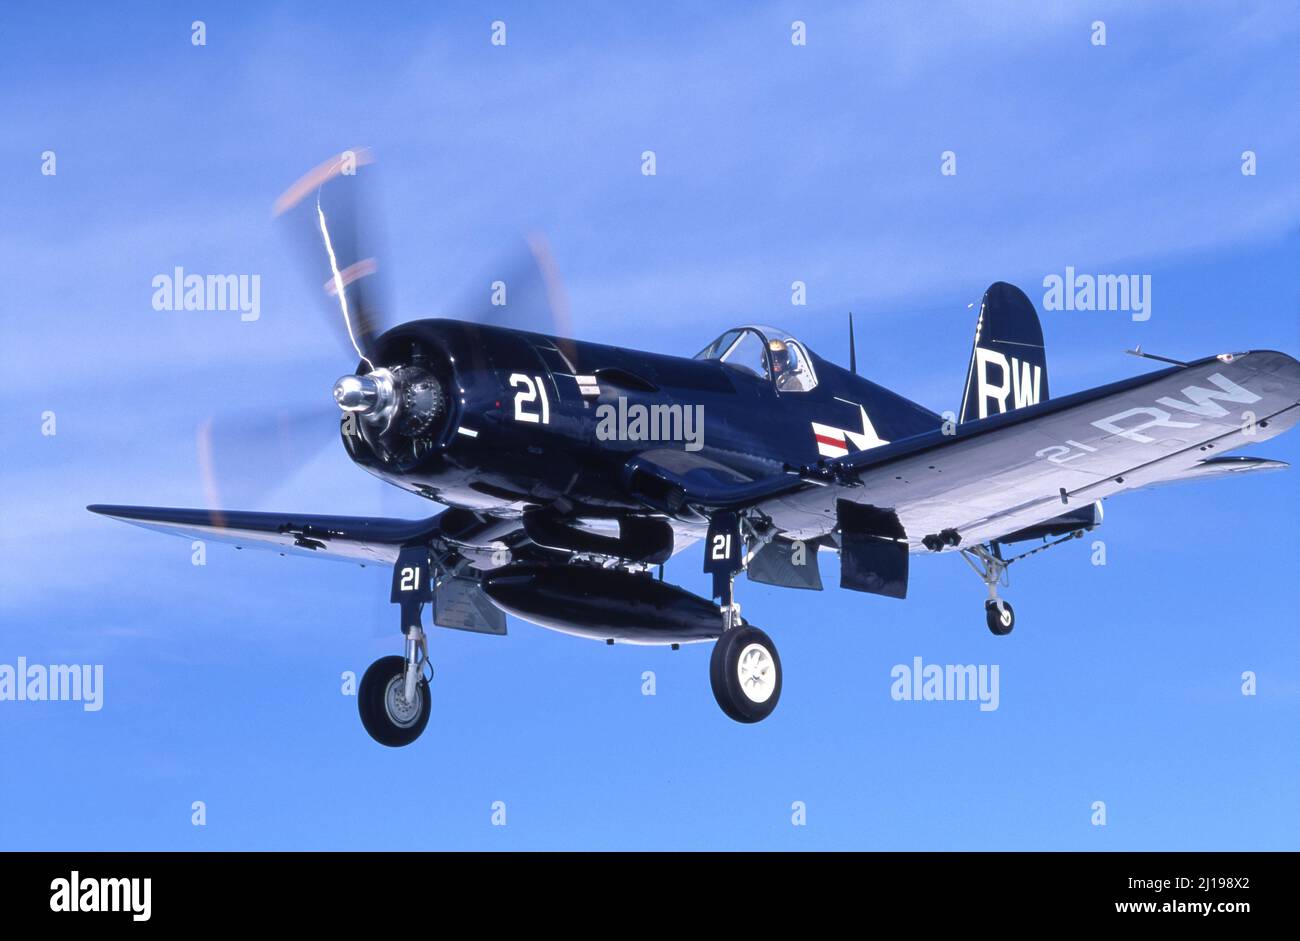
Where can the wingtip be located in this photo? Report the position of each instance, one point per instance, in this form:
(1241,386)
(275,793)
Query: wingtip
(111,509)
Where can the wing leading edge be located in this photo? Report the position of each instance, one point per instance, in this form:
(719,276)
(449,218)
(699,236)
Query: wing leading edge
(347,538)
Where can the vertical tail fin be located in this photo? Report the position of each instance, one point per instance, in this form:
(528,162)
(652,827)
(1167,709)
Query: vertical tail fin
(1008,364)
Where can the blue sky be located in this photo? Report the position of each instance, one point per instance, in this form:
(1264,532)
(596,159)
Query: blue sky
(775,163)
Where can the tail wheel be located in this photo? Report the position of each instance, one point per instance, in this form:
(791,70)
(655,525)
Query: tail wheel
(745,672)
(387,715)
(1000,616)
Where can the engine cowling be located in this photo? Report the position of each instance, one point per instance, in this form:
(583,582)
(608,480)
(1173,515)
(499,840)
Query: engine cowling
(399,409)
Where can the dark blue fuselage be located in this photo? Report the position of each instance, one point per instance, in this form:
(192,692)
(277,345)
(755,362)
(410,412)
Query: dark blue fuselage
(525,419)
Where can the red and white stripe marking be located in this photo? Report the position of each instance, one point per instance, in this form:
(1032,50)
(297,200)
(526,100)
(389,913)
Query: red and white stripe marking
(830,441)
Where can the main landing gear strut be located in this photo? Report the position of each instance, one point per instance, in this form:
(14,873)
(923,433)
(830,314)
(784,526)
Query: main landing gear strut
(745,669)
(393,697)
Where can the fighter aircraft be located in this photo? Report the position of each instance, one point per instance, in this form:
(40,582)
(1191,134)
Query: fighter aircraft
(570,472)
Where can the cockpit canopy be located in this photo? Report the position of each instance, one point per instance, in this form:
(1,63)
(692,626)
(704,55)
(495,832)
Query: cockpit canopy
(766,353)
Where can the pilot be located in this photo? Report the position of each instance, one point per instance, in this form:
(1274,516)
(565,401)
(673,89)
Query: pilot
(782,363)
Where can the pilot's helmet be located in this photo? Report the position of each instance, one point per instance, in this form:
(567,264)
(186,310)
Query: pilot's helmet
(780,354)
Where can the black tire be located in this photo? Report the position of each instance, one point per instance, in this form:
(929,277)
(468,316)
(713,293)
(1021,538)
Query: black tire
(735,695)
(1001,622)
(372,702)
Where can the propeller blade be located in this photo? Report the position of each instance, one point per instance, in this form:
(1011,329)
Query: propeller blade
(243,457)
(329,218)
(522,290)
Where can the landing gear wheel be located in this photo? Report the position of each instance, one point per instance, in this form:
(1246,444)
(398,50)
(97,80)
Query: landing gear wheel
(746,674)
(1000,616)
(385,713)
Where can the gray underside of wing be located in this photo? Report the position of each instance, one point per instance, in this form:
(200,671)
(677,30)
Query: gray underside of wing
(1009,472)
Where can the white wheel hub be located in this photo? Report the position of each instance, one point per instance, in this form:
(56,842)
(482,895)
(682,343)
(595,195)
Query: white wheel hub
(1004,615)
(756,670)
(402,713)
